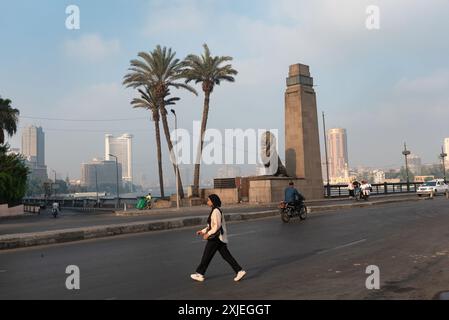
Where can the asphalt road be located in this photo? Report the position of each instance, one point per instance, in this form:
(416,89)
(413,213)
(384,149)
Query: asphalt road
(72,219)
(324,257)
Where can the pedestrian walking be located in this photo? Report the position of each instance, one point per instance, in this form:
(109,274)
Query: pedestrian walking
(217,240)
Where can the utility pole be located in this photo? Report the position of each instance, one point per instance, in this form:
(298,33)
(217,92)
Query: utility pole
(118,191)
(96,184)
(327,159)
(54,183)
(443,157)
(406,153)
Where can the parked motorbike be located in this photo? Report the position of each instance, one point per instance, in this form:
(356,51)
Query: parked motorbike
(289,211)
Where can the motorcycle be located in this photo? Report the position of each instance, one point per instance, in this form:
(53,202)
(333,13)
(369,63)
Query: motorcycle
(289,210)
(54,212)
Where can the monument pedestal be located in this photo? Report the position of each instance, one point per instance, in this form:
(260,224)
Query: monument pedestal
(271,189)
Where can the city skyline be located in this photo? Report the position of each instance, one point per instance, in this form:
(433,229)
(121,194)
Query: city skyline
(372,85)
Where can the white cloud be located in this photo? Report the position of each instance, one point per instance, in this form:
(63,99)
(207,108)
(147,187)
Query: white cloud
(91,47)
(436,83)
(187,16)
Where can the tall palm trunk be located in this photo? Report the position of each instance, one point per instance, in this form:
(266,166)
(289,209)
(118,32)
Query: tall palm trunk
(159,156)
(170,148)
(196,177)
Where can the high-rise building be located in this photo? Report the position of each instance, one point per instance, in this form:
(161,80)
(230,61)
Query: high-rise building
(121,147)
(338,154)
(33,149)
(33,144)
(101,173)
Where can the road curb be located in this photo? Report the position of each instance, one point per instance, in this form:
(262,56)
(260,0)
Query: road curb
(15,241)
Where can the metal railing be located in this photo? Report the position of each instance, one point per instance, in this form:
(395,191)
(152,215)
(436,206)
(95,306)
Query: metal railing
(340,191)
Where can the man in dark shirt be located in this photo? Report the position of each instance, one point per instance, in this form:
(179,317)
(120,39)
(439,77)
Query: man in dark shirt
(293,196)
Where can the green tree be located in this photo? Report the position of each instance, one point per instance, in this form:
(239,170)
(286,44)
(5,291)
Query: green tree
(148,101)
(9,117)
(157,72)
(209,71)
(13,177)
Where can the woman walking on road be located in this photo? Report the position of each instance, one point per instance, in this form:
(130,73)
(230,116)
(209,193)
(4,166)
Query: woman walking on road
(216,235)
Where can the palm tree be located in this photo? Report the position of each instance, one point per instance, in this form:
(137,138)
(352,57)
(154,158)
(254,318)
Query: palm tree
(9,118)
(210,72)
(148,101)
(159,70)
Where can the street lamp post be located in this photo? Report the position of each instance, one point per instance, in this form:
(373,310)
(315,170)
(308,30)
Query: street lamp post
(118,191)
(406,153)
(327,159)
(443,157)
(96,183)
(176,162)
(55,182)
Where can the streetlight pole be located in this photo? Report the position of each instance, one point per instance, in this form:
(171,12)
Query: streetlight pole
(55,182)
(96,183)
(176,160)
(443,157)
(406,153)
(327,159)
(118,191)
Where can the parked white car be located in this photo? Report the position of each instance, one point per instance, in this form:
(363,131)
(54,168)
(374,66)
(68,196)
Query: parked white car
(436,186)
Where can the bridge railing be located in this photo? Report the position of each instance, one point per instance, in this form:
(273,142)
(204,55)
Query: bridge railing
(341,191)
(81,204)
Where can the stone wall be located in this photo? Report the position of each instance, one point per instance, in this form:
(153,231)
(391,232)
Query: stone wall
(227,196)
(5,211)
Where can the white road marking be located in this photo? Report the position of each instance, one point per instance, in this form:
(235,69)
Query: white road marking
(343,246)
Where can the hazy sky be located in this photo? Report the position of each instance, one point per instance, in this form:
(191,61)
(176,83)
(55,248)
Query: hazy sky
(384,86)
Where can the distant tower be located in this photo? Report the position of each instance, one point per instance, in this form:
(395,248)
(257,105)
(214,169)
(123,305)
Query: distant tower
(337,142)
(33,148)
(122,148)
(302,143)
(33,144)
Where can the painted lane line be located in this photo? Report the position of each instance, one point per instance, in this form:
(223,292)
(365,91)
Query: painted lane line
(343,246)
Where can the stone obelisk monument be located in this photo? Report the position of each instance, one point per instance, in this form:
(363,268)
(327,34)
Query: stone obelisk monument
(302,142)
(302,145)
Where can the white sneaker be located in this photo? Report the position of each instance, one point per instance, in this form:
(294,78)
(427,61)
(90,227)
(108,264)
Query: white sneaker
(240,275)
(197,277)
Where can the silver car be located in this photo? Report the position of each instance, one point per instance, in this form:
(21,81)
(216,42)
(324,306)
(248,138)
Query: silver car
(435,186)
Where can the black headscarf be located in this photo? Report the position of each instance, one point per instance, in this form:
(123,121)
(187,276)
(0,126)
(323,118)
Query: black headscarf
(216,202)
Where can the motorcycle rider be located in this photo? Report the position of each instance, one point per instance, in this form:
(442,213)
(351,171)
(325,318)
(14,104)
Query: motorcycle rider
(149,198)
(291,195)
(55,208)
(366,189)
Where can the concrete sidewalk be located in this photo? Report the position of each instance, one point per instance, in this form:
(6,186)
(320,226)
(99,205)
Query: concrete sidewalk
(13,241)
